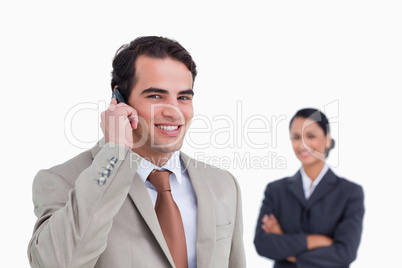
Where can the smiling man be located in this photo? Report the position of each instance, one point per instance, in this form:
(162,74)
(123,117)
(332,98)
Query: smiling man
(162,97)
(135,200)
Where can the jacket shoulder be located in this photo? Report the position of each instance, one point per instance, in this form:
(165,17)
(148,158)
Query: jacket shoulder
(205,168)
(72,168)
(218,180)
(349,185)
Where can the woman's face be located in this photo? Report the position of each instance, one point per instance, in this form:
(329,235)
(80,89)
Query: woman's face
(309,141)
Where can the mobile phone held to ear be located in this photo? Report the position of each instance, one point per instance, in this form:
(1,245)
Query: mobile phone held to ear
(117,95)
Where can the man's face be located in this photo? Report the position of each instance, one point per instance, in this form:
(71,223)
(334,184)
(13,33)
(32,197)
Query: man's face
(162,96)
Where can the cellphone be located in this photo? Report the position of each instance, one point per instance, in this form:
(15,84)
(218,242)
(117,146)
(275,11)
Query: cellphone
(117,95)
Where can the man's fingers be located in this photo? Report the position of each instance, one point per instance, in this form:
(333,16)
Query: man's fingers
(112,105)
(117,123)
(134,123)
(132,116)
(122,109)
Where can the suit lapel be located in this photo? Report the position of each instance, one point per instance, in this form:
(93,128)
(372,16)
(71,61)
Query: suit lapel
(206,222)
(295,186)
(324,186)
(140,196)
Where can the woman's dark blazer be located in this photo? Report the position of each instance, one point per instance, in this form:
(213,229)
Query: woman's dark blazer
(335,209)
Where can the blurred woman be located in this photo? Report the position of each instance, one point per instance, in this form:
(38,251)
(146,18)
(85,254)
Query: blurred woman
(312,219)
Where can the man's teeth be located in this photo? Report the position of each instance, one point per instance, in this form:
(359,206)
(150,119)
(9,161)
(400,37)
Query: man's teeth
(168,128)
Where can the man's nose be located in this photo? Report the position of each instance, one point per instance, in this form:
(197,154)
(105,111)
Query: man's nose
(172,110)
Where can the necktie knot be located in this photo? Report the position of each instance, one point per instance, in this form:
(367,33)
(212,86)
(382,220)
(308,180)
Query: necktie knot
(160,180)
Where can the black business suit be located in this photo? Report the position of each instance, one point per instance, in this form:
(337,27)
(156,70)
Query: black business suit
(334,209)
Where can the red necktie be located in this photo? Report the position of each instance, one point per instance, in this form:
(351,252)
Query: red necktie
(169,218)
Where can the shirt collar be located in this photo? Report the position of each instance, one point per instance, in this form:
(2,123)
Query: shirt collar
(307,180)
(173,165)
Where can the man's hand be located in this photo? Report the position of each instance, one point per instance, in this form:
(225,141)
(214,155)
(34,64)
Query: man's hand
(118,122)
(270,225)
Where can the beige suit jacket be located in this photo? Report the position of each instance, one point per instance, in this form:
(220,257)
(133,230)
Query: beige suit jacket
(83,224)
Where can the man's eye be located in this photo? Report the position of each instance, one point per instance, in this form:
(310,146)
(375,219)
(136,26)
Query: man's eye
(154,96)
(184,98)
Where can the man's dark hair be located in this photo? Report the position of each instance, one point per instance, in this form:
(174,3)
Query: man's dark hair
(123,73)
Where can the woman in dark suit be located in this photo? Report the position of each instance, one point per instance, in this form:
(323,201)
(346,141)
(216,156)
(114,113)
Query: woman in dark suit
(314,218)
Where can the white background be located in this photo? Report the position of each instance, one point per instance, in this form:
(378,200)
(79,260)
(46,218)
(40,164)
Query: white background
(262,58)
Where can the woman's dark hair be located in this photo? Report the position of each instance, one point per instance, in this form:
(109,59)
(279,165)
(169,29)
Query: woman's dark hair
(319,118)
(123,73)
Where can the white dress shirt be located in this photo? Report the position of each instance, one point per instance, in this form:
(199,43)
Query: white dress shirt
(183,194)
(309,185)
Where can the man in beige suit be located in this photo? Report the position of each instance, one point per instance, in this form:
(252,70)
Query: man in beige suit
(97,209)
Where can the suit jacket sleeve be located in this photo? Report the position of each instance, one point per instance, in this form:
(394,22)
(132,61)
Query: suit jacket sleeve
(274,246)
(237,253)
(346,237)
(74,220)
